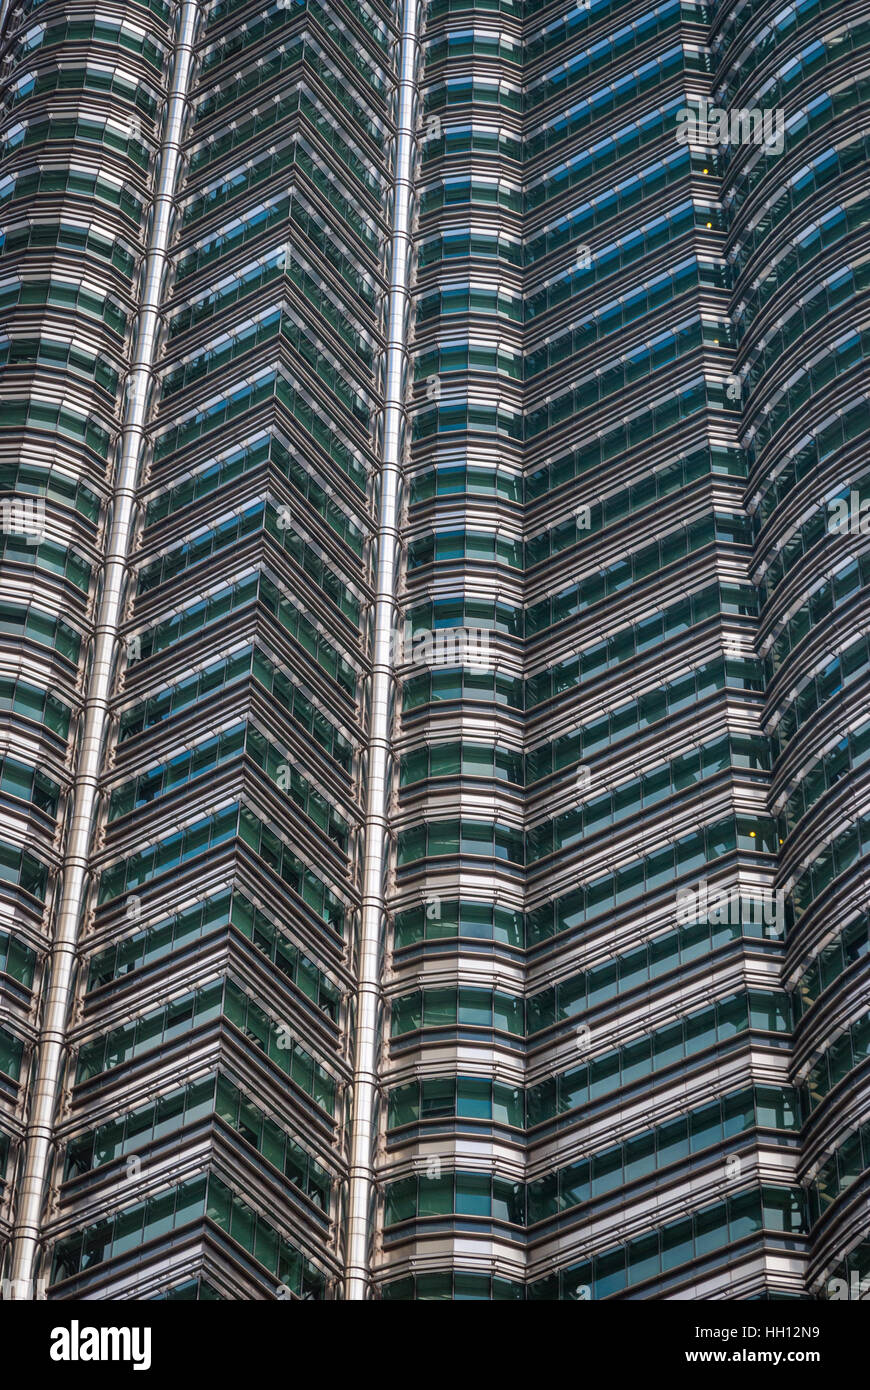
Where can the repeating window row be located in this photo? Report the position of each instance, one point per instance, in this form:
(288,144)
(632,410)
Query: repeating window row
(243,739)
(276,212)
(256,519)
(267,385)
(11,1049)
(215,1096)
(139,869)
(825,596)
(67,236)
(631,799)
(285,260)
(230,908)
(257,587)
(44,628)
(810,454)
(848,755)
(728,1018)
(73,297)
(683,402)
(713,1229)
(631,641)
(842,1169)
(99,30)
(849,1050)
(29,784)
(221,999)
(56,355)
(265,450)
(667,699)
(102,187)
(202,1199)
(850,944)
(839,855)
(249,661)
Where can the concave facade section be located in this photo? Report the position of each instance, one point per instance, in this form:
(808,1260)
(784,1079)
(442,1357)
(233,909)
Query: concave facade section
(797,244)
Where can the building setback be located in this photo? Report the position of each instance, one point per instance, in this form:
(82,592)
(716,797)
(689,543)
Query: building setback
(433,650)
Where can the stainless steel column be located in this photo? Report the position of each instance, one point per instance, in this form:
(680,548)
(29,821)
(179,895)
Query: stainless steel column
(378,791)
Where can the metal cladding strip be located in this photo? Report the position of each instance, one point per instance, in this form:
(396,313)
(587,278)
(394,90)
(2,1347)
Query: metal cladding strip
(5,9)
(73,891)
(368,984)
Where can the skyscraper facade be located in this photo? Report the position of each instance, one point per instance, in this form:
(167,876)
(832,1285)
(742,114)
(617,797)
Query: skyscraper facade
(434,670)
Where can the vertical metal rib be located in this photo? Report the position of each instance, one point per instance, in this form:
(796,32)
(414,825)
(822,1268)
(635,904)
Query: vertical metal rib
(377,799)
(73,888)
